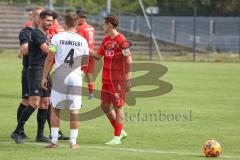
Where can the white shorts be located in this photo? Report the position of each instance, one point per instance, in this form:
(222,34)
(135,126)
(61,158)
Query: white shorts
(70,95)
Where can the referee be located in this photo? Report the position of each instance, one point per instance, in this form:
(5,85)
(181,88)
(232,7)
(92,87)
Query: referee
(38,98)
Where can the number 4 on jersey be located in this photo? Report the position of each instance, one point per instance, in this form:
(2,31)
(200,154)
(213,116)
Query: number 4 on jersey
(69,58)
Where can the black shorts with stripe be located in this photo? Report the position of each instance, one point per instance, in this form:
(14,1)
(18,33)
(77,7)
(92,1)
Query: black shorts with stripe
(34,82)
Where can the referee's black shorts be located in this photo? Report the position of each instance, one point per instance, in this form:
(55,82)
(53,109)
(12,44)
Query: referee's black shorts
(34,82)
(25,90)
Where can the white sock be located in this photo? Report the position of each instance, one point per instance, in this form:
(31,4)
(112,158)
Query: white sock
(117,137)
(73,136)
(54,132)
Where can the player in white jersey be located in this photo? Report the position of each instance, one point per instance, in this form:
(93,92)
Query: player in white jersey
(70,52)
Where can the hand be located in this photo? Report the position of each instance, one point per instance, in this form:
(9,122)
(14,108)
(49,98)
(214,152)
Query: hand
(20,55)
(128,85)
(91,52)
(45,84)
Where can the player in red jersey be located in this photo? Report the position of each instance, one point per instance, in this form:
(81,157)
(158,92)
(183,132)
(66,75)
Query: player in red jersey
(56,26)
(115,77)
(29,23)
(88,32)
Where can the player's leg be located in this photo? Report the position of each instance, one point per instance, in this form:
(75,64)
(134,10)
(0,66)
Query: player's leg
(118,127)
(25,99)
(106,104)
(108,109)
(61,135)
(90,85)
(119,121)
(41,119)
(75,103)
(118,103)
(74,126)
(49,120)
(119,132)
(33,104)
(55,124)
(90,78)
(57,101)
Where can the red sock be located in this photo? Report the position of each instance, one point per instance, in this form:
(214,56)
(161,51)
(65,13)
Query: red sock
(113,122)
(118,129)
(90,87)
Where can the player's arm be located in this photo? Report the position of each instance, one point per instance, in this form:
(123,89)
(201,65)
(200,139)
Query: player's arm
(99,54)
(95,55)
(47,68)
(40,41)
(51,51)
(23,50)
(23,40)
(45,48)
(128,73)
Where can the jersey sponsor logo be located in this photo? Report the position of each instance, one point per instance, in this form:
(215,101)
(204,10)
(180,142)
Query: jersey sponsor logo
(110,48)
(72,43)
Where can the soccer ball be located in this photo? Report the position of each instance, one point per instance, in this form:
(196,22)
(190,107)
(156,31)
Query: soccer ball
(212,148)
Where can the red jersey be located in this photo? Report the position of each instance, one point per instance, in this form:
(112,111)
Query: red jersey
(114,60)
(55,29)
(88,32)
(28,24)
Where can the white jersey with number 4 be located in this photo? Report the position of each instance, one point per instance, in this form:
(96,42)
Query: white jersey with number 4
(65,42)
(67,82)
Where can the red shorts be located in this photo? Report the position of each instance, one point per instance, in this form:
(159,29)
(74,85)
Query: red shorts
(90,67)
(113,94)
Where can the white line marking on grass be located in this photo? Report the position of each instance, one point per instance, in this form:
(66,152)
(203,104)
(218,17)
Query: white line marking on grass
(139,150)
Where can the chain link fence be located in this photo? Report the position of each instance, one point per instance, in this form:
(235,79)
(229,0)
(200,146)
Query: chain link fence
(220,34)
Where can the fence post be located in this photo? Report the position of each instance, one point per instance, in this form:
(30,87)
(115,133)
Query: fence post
(239,37)
(137,24)
(211,35)
(174,36)
(132,24)
(151,38)
(194,34)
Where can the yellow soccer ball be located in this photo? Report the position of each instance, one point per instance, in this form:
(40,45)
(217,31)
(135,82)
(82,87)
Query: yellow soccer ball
(212,148)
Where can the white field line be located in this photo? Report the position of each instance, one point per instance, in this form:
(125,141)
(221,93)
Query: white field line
(139,150)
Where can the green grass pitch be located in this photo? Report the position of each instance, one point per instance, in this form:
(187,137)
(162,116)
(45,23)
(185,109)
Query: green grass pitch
(209,90)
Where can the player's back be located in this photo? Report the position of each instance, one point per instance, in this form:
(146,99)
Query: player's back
(88,32)
(70,46)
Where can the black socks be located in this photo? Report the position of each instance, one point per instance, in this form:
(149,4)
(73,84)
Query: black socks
(41,119)
(20,110)
(26,113)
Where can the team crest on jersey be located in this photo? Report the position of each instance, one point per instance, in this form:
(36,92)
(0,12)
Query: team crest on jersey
(109,52)
(110,48)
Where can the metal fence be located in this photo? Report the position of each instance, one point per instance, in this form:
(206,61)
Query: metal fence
(220,34)
(211,33)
